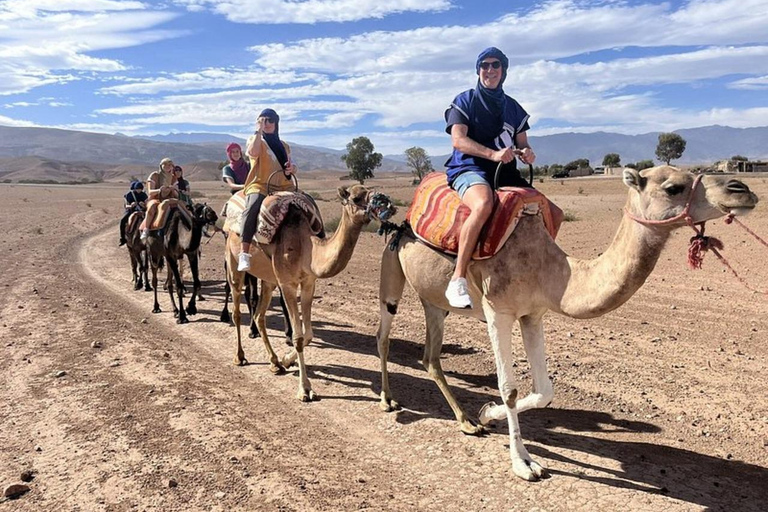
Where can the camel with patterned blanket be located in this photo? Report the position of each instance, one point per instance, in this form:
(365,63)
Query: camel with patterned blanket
(294,259)
(531,275)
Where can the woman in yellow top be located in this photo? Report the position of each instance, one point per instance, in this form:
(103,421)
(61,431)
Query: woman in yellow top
(268,154)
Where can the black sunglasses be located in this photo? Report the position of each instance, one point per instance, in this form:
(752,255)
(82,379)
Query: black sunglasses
(488,65)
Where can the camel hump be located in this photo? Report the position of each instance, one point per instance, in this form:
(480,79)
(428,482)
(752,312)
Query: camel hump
(437,215)
(275,209)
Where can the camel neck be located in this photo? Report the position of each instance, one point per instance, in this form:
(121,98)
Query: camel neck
(330,256)
(598,286)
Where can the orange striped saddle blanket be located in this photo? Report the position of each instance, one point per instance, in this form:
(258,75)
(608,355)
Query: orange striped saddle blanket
(164,210)
(273,211)
(437,215)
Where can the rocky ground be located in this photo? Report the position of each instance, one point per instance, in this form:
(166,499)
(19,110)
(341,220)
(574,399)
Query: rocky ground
(660,405)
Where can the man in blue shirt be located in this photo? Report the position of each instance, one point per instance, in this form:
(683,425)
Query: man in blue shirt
(133,201)
(487,128)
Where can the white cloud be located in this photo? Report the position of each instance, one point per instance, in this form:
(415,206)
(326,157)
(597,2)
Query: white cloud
(758,83)
(210,78)
(554,31)
(311,11)
(41,37)
(7,121)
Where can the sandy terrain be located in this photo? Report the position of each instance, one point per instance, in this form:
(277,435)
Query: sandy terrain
(660,405)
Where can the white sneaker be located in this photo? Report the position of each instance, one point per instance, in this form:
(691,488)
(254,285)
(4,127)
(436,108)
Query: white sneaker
(144,234)
(457,294)
(244,262)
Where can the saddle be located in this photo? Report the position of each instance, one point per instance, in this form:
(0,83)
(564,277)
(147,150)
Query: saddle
(437,215)
(272,214)
(134,221)
(164,210)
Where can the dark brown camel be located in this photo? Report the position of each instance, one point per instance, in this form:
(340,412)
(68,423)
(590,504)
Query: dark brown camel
(178,238)
(137,250)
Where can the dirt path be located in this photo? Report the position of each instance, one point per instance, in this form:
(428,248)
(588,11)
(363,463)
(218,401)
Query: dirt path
(656,408)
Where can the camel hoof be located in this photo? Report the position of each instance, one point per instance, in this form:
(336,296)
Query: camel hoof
(182,320)
(240,360)
(157,310)
(191,310)
(389,405)
(225,316)
(484,416)
(287,363)
(253,334)
(306,395)
(289,340)
(137,286)
(469,428)
(201,298)
(276,369)
(147,288)
(529,470)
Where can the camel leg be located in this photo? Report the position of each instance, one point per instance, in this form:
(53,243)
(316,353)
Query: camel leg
(144,262)
(500,332)
(434,344)
(227,290)
(235,281)
(307,296)
(391,284)
(288,330)
(196,285)
(252,299)
(173,266)
(532,330)
(305,393)
(261,319)
(155,264)
(137,284)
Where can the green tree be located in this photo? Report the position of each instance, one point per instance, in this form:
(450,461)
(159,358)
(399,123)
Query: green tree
(671,147)
(419,162)
(612,160)
(739,158)
(644,164)
(577,164)
(361,160)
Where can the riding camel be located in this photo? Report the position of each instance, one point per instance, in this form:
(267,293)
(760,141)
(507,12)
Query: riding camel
(180,236)
(294,260)
(531,275)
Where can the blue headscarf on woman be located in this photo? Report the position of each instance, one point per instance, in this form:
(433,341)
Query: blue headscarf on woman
(273,139)
(489,113)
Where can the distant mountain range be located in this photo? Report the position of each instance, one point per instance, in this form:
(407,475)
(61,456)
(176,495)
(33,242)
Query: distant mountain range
(65,155)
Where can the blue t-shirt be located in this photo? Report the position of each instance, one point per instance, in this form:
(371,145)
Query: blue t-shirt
(515,121)
(135,197)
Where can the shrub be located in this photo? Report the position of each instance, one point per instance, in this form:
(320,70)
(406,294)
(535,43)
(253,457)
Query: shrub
(569,216)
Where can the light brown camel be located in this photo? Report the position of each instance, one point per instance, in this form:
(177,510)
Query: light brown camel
(531,275)
(295,260)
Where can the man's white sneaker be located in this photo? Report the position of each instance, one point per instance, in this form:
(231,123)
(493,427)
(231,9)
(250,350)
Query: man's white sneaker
(144,234)
(457,294)
(244,262)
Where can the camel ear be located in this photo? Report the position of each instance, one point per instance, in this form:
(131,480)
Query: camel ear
(632,179)
(343,193)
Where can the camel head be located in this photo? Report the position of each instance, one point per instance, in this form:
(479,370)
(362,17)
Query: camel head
(663,193)
(363,204)
(204,214)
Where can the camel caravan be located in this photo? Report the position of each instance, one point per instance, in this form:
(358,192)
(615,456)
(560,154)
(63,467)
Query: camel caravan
(468,246)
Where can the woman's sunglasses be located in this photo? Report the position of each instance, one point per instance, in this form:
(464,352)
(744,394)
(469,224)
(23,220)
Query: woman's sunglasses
(488,65)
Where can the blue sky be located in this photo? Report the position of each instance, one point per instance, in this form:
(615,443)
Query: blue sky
(337,69)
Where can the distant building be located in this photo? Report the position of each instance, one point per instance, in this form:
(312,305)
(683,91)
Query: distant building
(753,166)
